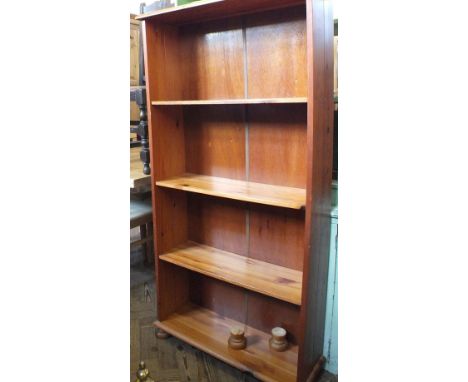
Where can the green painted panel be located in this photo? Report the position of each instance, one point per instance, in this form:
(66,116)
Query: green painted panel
(330,346)
(182,2)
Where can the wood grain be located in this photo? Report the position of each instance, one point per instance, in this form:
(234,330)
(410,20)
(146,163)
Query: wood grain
(134,52)
(258,276)
(215,138)
(169,207)
(279,196)
(225,299)
(265,313)
(211,9)
(216,222)
(253,309)
(168,138)
(211,56)
(277,236)
(242,163)
(171,278)
(138,180)
(282,130)
(319,179)
(173,359)
(164,62)
(134,111)
(239,101)
(276,54)
(209,332)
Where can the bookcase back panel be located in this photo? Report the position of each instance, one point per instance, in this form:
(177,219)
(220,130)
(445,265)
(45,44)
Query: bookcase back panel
(222,298)
(260,55)
(215,141)
(211,55)
(278,144)
(217,222)
(253,309)
(270,234)
(265,313)
(276,53)
(168,141)
(277,236)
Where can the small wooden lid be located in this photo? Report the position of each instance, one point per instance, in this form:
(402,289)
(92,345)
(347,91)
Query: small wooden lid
(278,332)
(237,331)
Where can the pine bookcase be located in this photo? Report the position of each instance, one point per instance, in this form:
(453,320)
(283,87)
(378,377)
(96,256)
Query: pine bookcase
(241,125)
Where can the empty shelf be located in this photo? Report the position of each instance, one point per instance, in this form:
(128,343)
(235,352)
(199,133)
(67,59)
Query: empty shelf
(235,101)
(272,195)
(259,276)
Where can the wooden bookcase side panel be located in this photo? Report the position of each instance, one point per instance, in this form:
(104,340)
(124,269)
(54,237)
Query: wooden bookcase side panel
(278,144)
(319,180)
(162,62)
(253,309)
(276,53)
(167,150)
(167,134)
(173,289)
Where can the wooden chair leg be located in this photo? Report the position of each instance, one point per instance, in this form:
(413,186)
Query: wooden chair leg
(143,235)
(140,98)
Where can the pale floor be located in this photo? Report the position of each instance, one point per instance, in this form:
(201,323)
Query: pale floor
(170,359)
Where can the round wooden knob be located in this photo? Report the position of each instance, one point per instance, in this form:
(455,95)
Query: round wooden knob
(237,339)
(278,340)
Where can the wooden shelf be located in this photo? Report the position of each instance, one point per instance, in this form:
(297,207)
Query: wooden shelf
(209,332)
(210,9)
(279,196)
(269,279)
(240,101)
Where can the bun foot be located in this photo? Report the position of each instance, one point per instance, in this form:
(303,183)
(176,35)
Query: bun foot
(161,334)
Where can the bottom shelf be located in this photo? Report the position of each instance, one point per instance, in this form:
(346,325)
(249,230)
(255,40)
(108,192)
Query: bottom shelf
(209,332)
